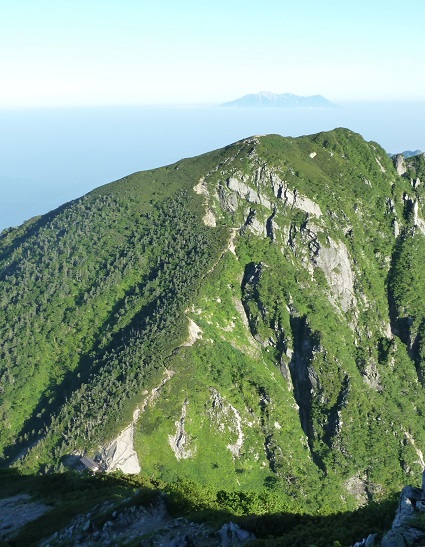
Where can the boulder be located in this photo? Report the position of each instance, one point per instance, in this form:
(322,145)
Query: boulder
(232,534)
(403,531)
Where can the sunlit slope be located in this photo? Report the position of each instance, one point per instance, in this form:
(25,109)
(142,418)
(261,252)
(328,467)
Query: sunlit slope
(271,289)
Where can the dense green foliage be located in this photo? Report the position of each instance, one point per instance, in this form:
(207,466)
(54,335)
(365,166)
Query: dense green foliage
(70,495)
(297,262)
(89,307)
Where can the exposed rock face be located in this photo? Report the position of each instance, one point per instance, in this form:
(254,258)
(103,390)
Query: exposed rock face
(380,165)
(137,525)
(228,200)
(246,192)
(396,229)
(418,451)
(195,333)
(264,178)
(331,257)
(120,453)
(307,205)
(367,542)
(291,198)
(209,217)
(226,416)
(335,263)
(232,534)
(417,221)
(403,531)
(399,164)
(257,227)
(180,441)
(357,487)
(371,376)
(249,290)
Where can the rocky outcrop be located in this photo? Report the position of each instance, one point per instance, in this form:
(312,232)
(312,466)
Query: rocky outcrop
(317,250)
(403,531)
(232,534)
(246,192)
(408,525)
(209,217)
(226,417)
(307,205)
(237,188)
(399,164)
(417,221)
(195,333)
(228,200)
(249,285)
(357,487)
(371,376)
(180,442)
(334,261)
(367,542)
(139,525)
(120,453)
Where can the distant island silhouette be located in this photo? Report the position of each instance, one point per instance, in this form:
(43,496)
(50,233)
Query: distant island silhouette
(265,99)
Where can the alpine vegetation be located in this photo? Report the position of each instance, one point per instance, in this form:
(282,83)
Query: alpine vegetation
(251,320)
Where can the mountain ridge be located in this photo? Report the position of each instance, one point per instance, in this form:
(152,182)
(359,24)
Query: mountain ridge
(295,263)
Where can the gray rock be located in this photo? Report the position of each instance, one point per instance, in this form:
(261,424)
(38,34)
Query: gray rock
(396,228)
(420,506)
(228,201)
(403,537)
(232,534)
(399,164)
(370,541)
(334,261)
(393,539)
(367,542)
(406,508)
(403,531)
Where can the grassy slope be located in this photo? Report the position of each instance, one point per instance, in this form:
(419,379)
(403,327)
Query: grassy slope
(371,446)
(94,304)
(73,285)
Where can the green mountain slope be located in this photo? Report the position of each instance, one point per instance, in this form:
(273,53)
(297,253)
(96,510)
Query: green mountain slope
(261,307)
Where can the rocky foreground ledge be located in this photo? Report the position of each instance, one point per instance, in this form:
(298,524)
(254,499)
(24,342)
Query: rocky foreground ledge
(148,526)
(408,526)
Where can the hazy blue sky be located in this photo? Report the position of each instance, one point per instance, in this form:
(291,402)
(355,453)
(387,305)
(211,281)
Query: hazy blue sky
(93,52)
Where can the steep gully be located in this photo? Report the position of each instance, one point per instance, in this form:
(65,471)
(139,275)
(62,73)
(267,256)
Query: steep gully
(296,365)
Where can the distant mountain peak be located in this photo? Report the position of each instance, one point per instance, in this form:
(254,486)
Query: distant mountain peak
(267,99)
(411,153)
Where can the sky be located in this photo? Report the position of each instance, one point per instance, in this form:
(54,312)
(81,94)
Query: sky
(56,53)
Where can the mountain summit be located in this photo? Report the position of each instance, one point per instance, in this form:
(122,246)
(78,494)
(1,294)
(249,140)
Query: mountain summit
(266,99)
(250,319)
